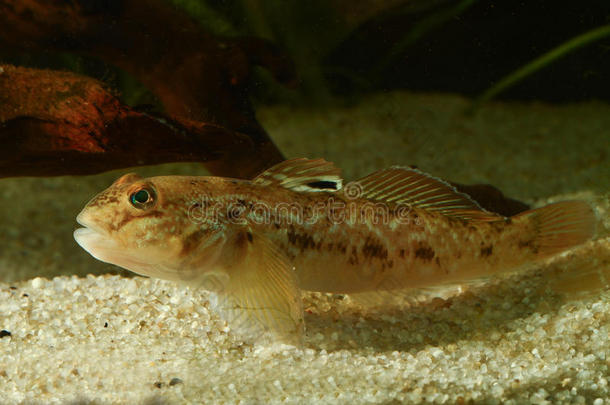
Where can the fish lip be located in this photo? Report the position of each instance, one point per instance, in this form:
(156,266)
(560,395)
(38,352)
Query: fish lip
(94,241)
(81,235)
(89,233)
(102,246)
(88,225)
(81,220)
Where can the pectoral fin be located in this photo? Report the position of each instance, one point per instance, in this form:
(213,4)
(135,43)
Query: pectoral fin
(260,298)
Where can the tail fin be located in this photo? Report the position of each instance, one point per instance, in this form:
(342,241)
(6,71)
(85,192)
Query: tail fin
(561,226)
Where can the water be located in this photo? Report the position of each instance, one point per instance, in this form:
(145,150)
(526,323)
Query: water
(373,85)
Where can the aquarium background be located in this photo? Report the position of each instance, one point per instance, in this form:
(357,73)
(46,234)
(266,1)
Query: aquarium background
(366,85)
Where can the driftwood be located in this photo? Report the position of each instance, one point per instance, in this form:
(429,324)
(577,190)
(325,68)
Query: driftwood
(197,77)
(56,123)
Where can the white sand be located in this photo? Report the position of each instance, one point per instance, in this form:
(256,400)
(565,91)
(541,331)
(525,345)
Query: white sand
(109,339)
(114,340)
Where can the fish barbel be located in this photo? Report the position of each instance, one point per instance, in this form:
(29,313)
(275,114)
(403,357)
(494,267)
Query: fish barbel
(296,226)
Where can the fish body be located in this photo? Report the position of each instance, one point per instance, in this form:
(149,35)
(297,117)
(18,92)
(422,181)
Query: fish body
(295,227)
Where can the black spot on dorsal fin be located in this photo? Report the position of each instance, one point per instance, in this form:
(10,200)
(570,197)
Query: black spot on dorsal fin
(323,185)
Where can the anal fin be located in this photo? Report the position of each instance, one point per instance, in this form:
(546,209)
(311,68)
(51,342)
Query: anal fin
(405,297)
(584,272)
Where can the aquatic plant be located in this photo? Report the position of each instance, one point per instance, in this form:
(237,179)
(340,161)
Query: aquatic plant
(540,62)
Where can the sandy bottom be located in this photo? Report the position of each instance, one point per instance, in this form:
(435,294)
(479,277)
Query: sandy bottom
(110,339)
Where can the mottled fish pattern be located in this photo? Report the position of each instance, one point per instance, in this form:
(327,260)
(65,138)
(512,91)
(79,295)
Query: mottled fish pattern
(297,226)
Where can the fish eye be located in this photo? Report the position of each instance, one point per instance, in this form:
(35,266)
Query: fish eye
(142,198)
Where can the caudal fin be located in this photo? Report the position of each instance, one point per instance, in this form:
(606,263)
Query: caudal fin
(561,226)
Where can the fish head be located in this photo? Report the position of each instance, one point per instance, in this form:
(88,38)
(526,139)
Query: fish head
(148,226)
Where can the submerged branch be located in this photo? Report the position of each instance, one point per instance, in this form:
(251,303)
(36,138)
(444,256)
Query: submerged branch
(196,76)
(60,123)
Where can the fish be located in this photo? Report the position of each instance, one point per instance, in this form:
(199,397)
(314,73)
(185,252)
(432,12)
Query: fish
(257,244)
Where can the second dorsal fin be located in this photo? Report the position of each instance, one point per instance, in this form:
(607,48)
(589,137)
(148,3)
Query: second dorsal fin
(302,175)
(403,185)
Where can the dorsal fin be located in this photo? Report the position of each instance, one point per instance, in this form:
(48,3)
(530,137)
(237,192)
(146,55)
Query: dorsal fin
(302,175)
(403,185)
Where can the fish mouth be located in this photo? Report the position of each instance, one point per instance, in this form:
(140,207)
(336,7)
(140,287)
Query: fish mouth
(106,248)
(88,231)
(93,239)
(87,224)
